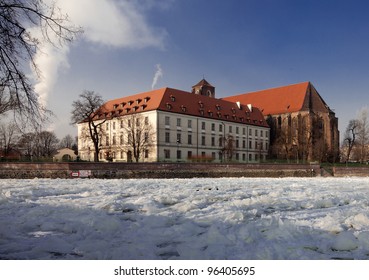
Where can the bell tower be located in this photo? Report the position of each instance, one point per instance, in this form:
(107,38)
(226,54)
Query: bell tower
(204,88)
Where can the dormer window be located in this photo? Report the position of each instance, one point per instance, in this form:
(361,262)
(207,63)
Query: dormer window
(135,108)
(218,107)
(219,114)
(201,112)
(123,104)
(146,99)
(210,113)
(183,108)
(127,110)
(115,106)
(201,104)
(138,101)
(172,98)
(143,107)
(130,103)
(169,106)
(233,110)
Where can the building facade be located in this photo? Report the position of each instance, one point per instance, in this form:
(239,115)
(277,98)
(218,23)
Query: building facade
(170,125)
(303,127)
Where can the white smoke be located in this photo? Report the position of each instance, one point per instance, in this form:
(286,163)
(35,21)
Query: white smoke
(158,74)
(119,24)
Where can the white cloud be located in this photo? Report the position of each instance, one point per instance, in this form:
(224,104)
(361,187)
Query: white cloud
(119,24)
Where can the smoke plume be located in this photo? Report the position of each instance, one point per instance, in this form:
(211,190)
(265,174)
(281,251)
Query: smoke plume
(158,74)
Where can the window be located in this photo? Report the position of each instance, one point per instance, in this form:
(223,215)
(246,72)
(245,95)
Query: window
(167,121)
(146,137)
(146,153)
(237,143)
(166,154)
(213,141)
(203,140)
(237,129)
(250,145)
(121,140)
(167,137)
(203,125)
(244,144)
(213,127)
(230,129)
(220,128)
(107,141)
(190,139)
(213,155)
(244,157)
(261,133)
(172,98)
(189,154)
(129,123)
(256,132)
(221,142)
(113,125)
(244,131)
(107,126)
(237,156)
(114,139)
(189,123)
(121,124)
(250,157)
(179,138)
(146,120)
(178,122)
(250,132)
(179,154)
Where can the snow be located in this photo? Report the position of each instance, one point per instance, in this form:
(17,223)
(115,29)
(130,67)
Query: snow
(204,218)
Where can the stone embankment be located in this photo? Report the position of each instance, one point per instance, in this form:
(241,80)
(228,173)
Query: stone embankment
(154,170)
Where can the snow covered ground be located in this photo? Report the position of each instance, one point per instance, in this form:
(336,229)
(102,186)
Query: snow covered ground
(226,218)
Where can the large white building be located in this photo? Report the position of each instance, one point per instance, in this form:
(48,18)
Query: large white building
(184,126)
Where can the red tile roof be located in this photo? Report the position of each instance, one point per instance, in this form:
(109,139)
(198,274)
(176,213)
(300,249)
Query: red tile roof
(182,102)
(279,100)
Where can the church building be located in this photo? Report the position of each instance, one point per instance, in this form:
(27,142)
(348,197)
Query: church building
(302,126)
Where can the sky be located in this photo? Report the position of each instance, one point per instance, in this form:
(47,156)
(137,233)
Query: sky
(133,46)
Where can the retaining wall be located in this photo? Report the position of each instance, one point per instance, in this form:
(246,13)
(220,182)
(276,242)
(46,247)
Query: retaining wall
(154,170)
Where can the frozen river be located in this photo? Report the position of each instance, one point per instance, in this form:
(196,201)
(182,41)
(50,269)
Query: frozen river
(225,218)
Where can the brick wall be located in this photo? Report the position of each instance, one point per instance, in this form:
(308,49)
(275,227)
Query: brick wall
(155,170)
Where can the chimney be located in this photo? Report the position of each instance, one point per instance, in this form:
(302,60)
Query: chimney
(250,107)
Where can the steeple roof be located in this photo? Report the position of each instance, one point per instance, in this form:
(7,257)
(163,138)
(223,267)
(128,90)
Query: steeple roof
(203,82)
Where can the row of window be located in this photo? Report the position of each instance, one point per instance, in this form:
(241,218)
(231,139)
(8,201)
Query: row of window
(221,141)
(220,127)
(129,123)
(215,156)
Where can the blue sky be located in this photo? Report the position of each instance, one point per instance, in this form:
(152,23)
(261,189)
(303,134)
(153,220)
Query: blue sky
(237,45)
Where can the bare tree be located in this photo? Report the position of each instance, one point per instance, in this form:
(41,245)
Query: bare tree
(8,135)
(89,109)
(350,137)
(66,142)
(140,135)
(18,47)
(228,147)
(362,135)
(47,144)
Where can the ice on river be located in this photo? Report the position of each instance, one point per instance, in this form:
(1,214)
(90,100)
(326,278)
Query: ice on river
(226,218)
